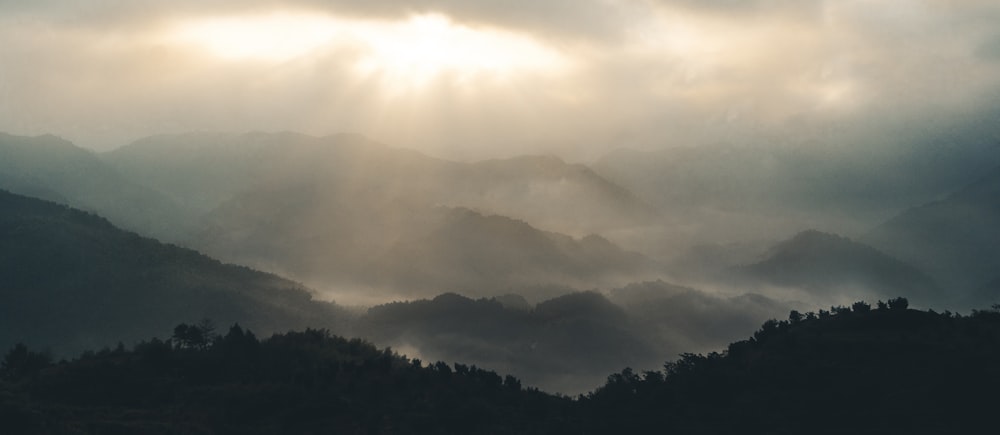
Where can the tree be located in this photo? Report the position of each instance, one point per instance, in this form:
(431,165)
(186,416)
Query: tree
(899,304)
(794,316)
(198,336)
(861,307)
(21,362)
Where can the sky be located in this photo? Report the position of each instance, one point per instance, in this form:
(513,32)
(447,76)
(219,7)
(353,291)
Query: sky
(472,79)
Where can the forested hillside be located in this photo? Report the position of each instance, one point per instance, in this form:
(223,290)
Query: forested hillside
(858,369)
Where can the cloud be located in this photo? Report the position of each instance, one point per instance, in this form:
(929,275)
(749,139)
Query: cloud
(644,74)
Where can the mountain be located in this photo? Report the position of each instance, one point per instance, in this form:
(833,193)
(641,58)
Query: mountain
(681,318)
(204,170)
(71,280)
(564,344)
(886,370)
(463,250)
(346,214)
(762,189)
(827,265)
(568,343)
(292,383)
(955,239)
(54,169)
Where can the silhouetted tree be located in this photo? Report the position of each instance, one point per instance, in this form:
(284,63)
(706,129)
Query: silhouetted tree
(900,304)
(794,316)
(198,336)
(20,362)
(861,307)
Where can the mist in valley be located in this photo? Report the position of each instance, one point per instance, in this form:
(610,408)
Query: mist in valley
(554,199)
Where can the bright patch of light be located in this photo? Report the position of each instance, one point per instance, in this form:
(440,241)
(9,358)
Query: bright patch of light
(428,46)
(272,37)
(404,53)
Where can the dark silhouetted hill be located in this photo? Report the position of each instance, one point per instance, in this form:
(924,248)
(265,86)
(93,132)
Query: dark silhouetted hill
(863,369)
(70,280)
(293,383)
(827,264)
(866,370)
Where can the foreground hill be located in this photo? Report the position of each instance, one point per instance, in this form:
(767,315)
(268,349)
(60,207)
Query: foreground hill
(70,280)
(827,265)
(956,239)
(857,370)
(886,370)
(294,383)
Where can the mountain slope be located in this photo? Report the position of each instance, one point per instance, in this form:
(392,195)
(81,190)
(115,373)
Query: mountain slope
(294,383)
(566,344)
(956,239)
(51,168)
(826,265)
(462,250)
(346,214)
(71,280)
(888,370)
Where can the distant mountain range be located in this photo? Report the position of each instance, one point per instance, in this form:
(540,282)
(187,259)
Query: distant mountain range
(342,212)
(569,342)
(955,239)
(205,170)
(70,280)
(827,265)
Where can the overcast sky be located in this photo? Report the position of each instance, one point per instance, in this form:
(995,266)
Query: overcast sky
(473,79)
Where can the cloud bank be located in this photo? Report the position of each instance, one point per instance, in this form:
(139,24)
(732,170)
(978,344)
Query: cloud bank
(639,74)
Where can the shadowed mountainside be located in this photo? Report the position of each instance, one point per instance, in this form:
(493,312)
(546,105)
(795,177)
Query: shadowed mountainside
(568,343)
(344,214)
(70,280)
(884,370)
(54,169)
(565,344)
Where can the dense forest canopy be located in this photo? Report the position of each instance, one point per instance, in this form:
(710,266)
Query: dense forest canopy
(882,368)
